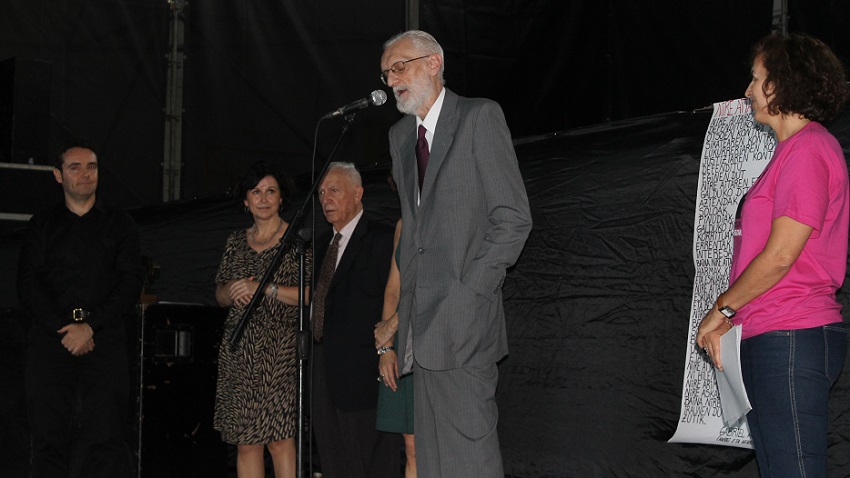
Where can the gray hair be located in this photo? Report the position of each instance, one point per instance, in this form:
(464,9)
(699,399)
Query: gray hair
(423,42)
(348,169)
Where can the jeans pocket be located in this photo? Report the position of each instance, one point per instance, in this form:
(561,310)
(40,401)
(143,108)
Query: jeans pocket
(835,338)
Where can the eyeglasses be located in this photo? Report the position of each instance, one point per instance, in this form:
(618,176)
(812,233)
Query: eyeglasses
(398,67)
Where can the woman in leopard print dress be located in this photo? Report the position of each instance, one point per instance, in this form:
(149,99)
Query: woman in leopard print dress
(255,398)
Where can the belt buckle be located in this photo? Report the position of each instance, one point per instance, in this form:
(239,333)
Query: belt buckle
(78,315)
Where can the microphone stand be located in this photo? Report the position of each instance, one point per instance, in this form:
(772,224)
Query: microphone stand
(296,222)
(304,237)
(304,337)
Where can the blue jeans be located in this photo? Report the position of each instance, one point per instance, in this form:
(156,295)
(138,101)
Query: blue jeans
(788,374)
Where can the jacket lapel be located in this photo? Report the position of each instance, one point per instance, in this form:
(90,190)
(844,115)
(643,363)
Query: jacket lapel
(442,142)
(408,167)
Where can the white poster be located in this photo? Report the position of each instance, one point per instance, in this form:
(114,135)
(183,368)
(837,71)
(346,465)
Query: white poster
(736,150)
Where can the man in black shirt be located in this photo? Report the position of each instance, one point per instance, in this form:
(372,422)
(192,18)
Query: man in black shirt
(80,272)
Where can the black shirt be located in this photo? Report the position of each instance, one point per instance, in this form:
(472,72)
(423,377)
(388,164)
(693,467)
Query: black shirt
(91,262)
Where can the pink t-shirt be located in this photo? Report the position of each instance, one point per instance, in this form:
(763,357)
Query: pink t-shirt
(805,180)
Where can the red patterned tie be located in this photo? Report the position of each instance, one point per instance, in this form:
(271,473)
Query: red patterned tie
(422,154)
(326,274)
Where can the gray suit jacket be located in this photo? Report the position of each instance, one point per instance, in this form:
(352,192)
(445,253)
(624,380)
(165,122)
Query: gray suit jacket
(471,223)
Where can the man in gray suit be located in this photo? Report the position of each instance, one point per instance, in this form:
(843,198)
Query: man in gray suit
(466,219)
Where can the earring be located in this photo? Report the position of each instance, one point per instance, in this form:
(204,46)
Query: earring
(246,209)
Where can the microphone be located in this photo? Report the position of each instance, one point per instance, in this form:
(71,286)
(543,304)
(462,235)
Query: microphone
(377,98)
(305,233)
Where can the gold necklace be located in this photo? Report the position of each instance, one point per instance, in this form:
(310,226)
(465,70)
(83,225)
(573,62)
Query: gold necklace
(254,234)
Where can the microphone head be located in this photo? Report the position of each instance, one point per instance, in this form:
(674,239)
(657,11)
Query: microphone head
(305,233)
(378,97)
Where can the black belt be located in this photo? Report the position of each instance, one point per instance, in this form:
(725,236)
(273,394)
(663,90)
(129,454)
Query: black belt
(80,315)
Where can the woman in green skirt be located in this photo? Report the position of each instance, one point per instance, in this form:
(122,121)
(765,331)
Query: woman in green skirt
(395,395)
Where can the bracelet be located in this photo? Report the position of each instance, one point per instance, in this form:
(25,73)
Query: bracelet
(383,350)
(273,292)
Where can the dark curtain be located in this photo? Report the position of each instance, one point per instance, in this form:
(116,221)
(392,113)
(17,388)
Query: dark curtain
(261,75)
(557,65)
(598,302)
(258,75)
(597,305)
(106,64)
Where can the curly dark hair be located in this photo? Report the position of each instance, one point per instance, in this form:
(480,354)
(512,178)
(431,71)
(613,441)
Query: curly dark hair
(255,174)
(805,75)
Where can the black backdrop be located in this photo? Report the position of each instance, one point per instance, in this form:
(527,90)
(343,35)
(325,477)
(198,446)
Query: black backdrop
(259,74)
(598,303)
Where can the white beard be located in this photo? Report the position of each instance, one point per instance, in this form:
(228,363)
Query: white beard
(415,96)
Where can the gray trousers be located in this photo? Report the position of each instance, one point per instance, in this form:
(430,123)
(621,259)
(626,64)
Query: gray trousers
(455,422)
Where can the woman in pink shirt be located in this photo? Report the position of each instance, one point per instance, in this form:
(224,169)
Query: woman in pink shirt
(790,257)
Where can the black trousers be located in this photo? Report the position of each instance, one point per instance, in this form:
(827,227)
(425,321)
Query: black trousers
(349,445)
(77,411)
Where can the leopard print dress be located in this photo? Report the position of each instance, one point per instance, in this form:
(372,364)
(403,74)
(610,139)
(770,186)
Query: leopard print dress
(256,387)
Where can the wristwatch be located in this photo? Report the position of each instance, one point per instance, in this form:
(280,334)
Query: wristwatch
(729,312)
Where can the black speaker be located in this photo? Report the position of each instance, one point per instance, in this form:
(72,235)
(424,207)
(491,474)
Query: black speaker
(25,190)
(176,396)
(14,431)
(25,111)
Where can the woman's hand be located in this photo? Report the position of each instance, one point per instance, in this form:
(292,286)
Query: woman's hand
(784,245)
(242,290)
(388,368)
(385,330)
(712,327)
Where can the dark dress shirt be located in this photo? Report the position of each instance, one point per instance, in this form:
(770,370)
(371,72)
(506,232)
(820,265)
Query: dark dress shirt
(92,262)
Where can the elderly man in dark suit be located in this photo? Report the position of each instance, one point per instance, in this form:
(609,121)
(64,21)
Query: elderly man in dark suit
(347,303)
(466,219)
